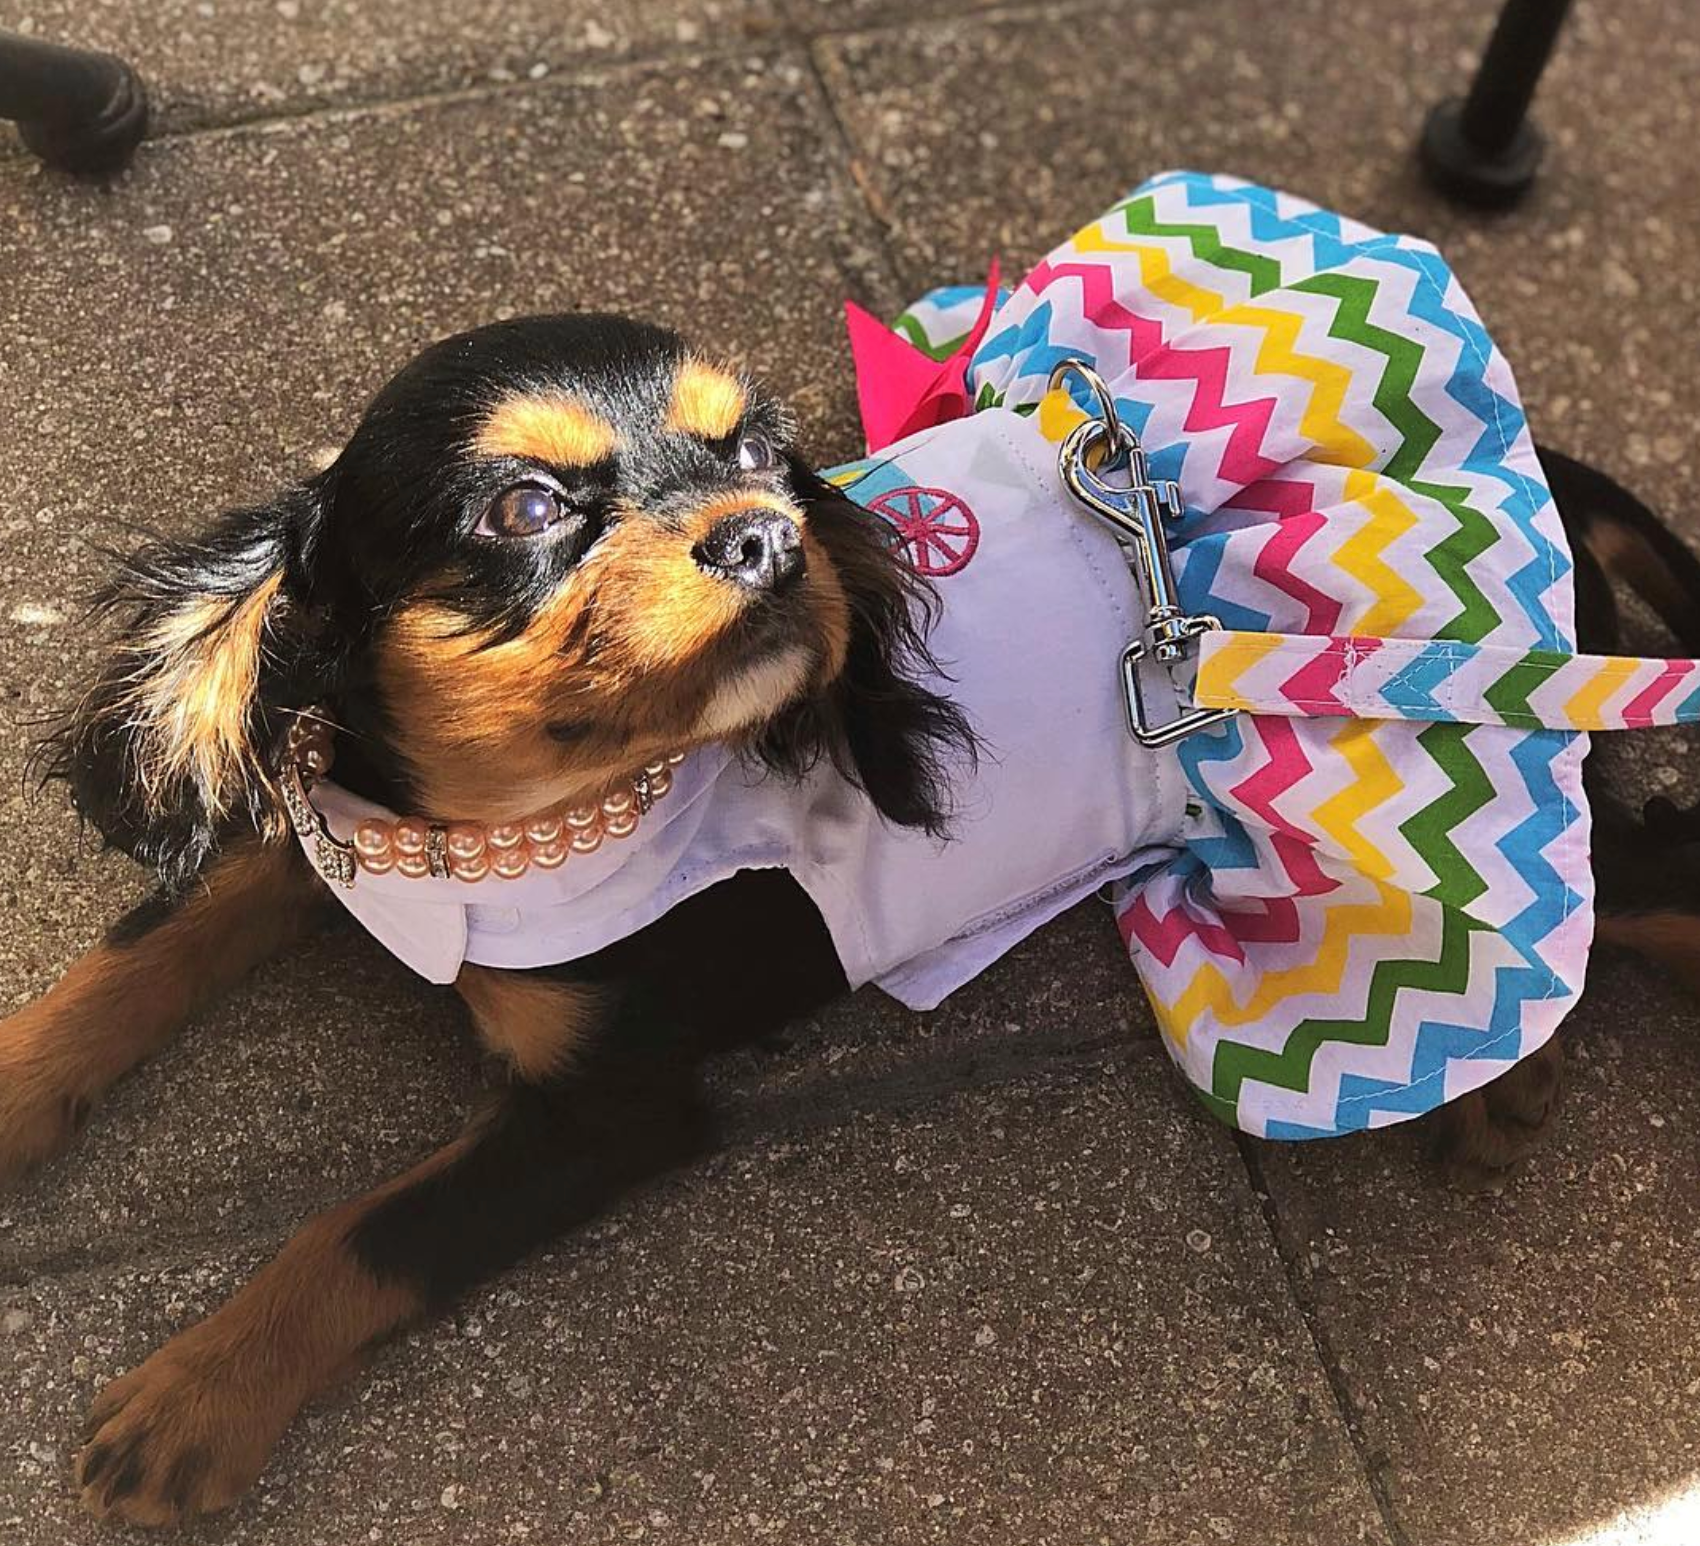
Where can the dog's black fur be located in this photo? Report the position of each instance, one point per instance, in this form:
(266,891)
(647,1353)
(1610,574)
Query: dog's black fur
(310,599)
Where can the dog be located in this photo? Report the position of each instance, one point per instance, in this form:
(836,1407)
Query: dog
(555,550)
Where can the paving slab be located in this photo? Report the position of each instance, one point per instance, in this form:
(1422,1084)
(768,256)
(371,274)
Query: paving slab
(1525,1367)
(326,1073)
(208,326)
(199,334)
(1043,1313)
(223,61)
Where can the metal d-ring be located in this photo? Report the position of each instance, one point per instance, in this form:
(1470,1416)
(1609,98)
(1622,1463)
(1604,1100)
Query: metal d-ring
(1136,513)
(1122,439)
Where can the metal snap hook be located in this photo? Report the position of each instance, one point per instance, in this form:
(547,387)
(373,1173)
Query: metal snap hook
(1137,513)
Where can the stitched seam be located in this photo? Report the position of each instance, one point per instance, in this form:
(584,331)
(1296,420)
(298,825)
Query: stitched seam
(1480,1054)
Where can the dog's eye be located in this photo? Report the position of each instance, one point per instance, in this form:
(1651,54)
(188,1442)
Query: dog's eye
(526,510)
(755,452)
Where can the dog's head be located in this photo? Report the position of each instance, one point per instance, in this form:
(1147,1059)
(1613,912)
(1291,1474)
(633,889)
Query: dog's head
(554,549)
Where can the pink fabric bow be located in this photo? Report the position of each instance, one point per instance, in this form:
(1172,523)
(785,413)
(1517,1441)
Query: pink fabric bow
(901,389)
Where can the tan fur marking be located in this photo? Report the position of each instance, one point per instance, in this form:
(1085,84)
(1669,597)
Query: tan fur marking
(1483,1135)
(531,1021)
(756,694)
(682,610)
(215,1399)
(553,428)
(831,608)
(1670,939)
(487,708)
(194,676)
(701,521)
(671,608)
(707,402)
(120,1003)
(1627,556)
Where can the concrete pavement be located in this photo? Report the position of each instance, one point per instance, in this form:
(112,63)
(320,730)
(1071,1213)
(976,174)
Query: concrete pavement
(986,1275)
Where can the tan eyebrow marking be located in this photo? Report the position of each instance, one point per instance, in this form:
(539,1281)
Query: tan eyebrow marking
(707,402)
(547,427)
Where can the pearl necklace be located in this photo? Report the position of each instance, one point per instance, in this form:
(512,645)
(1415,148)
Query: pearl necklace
(461,850)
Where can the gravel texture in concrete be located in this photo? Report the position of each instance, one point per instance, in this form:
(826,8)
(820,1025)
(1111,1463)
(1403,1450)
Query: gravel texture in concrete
(984,1275)
(1525,1367)
(221,61)
(1047,1312)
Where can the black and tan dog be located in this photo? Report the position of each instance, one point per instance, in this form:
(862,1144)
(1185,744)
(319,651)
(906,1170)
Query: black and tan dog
(433,590)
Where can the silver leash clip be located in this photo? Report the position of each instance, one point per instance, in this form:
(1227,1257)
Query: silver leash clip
(1136,512)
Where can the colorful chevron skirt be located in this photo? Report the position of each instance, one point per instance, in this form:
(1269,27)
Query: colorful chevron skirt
(1366,917)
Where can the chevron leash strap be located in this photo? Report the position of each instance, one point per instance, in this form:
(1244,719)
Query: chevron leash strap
(1309,676)
(1441,680)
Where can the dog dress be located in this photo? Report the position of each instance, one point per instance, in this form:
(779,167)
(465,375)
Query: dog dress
(1340,921)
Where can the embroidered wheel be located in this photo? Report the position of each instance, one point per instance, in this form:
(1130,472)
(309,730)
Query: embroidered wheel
(937,532)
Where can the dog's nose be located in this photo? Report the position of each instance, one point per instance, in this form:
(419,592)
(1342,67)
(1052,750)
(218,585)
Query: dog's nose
(760,549)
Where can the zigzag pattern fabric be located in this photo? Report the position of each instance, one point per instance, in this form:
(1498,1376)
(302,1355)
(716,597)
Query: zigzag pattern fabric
(1366,917)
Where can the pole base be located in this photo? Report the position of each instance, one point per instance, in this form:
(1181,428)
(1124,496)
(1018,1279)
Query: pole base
(98,146)
(1468,175)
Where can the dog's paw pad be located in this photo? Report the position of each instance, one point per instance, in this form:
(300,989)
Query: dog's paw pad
(170,1440)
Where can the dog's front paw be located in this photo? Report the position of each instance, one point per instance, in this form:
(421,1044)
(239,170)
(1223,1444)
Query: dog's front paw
(39,1115)
(185,1434)
(1482,1137)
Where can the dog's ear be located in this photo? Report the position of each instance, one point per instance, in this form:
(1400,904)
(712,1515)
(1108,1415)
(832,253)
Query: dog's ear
(898,741)
(169,747)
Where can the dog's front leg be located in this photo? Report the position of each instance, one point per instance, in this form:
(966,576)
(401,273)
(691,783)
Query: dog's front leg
(125,998)
(190,1429)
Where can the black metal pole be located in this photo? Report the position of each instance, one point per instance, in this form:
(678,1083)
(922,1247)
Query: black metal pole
(79,111)
(1482,148)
